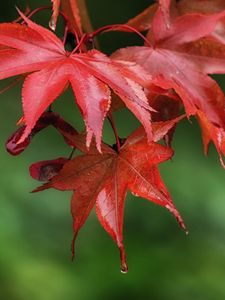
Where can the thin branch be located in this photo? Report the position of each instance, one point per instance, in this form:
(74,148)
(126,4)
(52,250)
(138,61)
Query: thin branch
(118,27)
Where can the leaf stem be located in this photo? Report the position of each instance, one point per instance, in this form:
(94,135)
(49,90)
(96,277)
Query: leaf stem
(30,14)
(67,21)
(112,123)
(36,10)
(119,27)
(84,36)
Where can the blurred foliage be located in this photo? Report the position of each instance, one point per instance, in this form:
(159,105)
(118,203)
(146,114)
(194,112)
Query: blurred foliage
(36,229)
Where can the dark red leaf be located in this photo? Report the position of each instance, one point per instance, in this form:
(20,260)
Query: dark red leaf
(212,133)
(104,179)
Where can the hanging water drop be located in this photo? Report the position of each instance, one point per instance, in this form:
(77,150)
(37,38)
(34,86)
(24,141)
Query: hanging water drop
(124,269)
(52,24)
(124,266)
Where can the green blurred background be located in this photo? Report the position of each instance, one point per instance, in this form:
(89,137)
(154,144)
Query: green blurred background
(36,229)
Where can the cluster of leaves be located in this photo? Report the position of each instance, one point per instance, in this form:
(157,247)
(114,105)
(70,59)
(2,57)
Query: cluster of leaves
(184,42)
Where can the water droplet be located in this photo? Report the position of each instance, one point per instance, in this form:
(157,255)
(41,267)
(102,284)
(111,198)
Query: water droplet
(52,24)
(124,267)
(124,270)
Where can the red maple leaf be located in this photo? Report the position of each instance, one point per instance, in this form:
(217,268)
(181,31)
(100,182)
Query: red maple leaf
(206,7)
(180,56)
(212,133)
(143,21)
(104,179)
(32,48)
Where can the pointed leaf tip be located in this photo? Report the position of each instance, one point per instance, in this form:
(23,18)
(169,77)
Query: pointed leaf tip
(124,266)
(55,13)
(178,217)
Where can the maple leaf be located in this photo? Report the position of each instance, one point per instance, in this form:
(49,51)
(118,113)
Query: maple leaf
(214,44)
(206,7)
(175,59)
(32,48)
(104,179)
(143,21)
(212,133)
